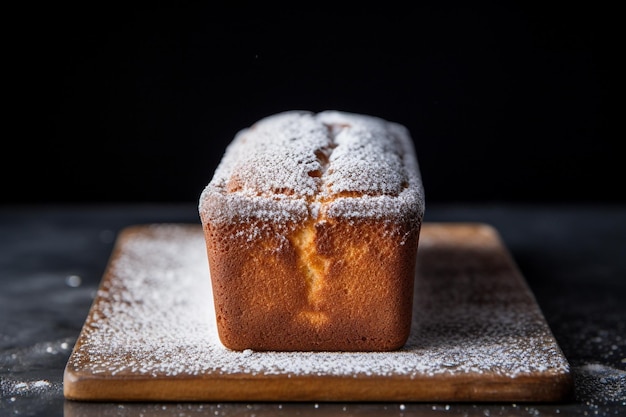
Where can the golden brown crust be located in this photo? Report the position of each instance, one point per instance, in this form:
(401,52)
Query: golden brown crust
(359,299)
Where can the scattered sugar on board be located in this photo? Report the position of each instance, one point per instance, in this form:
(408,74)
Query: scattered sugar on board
(155,317)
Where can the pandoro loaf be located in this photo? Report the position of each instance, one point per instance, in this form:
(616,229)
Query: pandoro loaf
(312,223)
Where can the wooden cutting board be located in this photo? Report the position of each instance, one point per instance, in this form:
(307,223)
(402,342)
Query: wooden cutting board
(478,333)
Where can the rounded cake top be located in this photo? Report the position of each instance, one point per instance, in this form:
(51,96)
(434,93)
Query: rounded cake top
(319,161)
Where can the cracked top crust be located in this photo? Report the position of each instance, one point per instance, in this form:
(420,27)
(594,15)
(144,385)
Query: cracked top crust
(297,165)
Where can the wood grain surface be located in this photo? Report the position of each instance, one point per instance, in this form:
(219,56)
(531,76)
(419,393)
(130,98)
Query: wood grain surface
(478,333)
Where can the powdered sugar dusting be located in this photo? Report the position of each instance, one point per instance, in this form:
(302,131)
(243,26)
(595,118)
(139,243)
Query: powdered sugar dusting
(298,164)
(153,316)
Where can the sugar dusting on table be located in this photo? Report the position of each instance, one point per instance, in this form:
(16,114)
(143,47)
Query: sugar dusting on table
(154,316)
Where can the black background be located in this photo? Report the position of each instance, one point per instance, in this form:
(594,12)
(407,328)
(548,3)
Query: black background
(135,103)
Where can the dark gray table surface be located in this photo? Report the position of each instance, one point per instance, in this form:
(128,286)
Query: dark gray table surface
(52,259)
